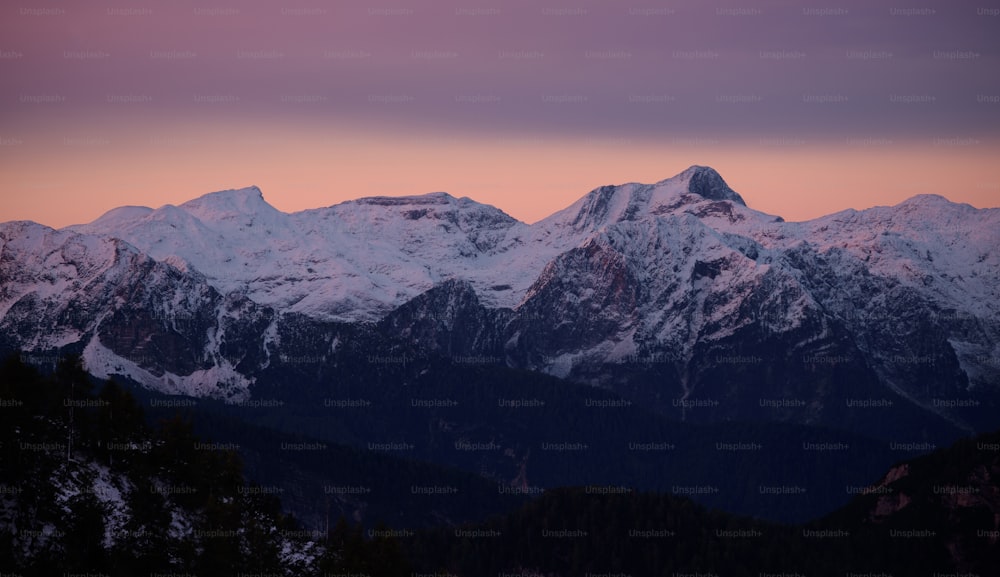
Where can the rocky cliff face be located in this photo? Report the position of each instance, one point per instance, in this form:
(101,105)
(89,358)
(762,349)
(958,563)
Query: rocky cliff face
(130,314)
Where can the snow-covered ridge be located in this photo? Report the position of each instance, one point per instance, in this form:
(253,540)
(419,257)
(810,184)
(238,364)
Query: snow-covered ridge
(228,204)
(626,271)
(350,261)
(361,258)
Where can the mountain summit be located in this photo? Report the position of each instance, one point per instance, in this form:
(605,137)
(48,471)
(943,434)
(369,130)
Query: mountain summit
(229,204)
(707,183)
(634,201)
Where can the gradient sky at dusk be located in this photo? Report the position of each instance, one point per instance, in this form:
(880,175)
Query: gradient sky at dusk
(806,108)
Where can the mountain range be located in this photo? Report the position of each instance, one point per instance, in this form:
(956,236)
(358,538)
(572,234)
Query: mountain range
(675,295)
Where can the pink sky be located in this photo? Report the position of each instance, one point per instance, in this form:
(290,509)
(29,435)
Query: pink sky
(805,110)
(529,178)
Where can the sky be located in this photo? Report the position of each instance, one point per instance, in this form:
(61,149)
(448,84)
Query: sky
(805,108)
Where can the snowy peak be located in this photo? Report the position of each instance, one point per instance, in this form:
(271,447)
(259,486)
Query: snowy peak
(708,184)
(243,206)
(121,216)
(928,200)
(432,206)
(633,201)
(931,206)
(230,204)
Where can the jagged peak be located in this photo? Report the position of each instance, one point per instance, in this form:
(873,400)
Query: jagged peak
(707,183)
(631,201)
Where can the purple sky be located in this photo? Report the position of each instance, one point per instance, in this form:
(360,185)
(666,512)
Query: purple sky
(109,77)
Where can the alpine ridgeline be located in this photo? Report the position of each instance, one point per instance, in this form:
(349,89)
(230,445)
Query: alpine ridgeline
(675,295)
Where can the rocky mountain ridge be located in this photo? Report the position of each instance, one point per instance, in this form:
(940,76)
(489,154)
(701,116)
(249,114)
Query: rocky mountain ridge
(675,294)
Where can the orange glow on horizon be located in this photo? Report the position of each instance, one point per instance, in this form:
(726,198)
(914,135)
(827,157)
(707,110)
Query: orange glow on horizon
(78,174)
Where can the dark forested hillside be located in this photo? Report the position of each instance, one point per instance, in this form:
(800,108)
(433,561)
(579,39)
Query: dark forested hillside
(931,516)
(87,484)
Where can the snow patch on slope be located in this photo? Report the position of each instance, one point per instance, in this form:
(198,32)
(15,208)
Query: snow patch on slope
(221,381)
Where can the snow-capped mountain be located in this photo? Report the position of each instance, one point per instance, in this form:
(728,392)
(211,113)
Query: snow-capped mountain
(674,293)
(349,262)
(131,314)
(360,259)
